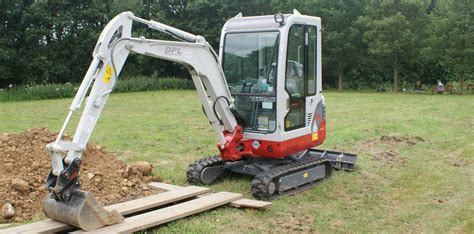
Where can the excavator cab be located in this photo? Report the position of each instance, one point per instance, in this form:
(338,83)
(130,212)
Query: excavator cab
(272,65)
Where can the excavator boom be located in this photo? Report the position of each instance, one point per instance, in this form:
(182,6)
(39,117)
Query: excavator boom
(65,201)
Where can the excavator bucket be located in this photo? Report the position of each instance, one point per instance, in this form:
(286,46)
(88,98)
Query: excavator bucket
(82,211)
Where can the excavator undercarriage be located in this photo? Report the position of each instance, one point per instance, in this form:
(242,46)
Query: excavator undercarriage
(274,178)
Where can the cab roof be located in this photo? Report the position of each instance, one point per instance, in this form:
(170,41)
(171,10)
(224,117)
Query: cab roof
(239,23)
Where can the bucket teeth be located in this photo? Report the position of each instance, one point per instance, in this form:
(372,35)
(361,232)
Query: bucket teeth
(82,211)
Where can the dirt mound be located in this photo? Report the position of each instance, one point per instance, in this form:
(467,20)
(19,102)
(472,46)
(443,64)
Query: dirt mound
(390,155)
(401,140)
(24,164)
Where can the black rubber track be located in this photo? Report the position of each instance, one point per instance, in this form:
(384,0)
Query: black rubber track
(261,182)
(193,173)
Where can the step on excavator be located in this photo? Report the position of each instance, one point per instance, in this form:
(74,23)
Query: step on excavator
(262,95)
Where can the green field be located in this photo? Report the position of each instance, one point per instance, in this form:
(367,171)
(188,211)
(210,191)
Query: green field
(415,170)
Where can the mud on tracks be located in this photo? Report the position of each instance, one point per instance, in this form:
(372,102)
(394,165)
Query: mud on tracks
(25,163)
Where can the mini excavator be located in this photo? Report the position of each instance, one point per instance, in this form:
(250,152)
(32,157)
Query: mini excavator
(262,95)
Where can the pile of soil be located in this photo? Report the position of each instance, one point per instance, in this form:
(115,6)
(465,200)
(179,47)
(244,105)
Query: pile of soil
(25,163)
(393,140)
(390,155)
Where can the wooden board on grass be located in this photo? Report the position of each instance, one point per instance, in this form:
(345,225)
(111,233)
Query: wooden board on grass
(156,200)
(145,203)
(164,215)
(241,203)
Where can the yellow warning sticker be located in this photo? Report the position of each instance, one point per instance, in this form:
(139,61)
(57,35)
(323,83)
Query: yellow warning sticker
(315,136)
(107,74)
(305,175)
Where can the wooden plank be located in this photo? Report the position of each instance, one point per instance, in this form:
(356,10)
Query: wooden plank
(241,203)
(49,226)
(164,186)
(5,225)
(149,202)
(161,216)
(45,226)
(249,203)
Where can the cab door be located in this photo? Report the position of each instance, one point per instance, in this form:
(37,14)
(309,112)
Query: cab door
(314,102)
(301,76)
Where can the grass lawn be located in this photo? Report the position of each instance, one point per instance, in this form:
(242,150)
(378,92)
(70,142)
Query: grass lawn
(415,170)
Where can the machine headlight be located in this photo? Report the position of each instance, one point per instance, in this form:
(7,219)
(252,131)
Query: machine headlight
(279,18)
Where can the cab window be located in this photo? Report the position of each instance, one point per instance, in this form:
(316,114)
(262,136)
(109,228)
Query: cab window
(301,72)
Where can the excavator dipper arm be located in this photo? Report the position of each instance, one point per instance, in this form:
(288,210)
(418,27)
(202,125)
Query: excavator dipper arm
(65,201)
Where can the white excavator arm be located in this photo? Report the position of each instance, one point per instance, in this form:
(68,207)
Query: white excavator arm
(112,49)
(65,201)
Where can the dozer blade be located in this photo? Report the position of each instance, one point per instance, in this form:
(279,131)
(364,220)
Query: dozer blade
(82,211)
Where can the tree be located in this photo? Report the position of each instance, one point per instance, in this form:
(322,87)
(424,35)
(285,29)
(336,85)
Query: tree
(46,41)
(454,41)
(342,40)
(12,42)
(390,35)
